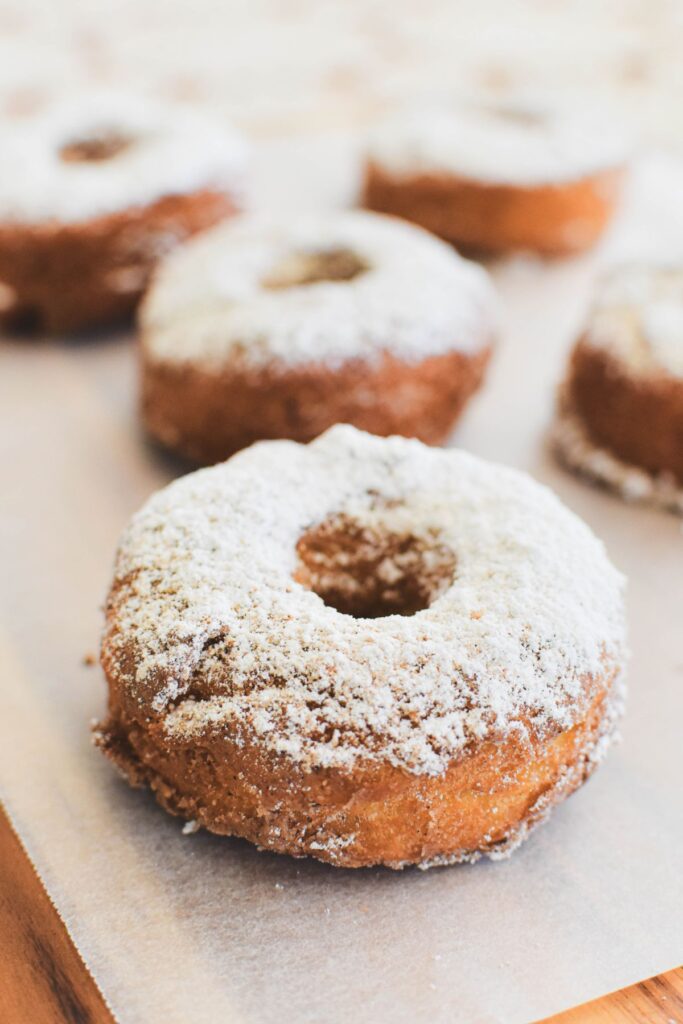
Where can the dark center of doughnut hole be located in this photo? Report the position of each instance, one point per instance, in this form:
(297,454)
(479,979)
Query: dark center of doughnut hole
(302,268)
(16,317)
(371,573)
(95,148)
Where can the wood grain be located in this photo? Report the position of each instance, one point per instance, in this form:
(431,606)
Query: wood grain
(42,978)
(44,981)
(655,1001)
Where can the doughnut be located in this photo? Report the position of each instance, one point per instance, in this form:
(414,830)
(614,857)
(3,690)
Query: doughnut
(620,411)
(279,327)
(93,190)
(499,179)
(362,650)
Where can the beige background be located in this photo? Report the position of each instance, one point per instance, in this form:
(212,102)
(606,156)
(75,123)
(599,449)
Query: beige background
(274,65)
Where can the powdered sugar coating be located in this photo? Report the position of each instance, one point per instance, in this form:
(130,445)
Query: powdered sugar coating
(524,144)
(638,320)
(173,150)
(208,303)
(205,602)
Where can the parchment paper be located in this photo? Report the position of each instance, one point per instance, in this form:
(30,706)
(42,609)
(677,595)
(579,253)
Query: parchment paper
(196,928)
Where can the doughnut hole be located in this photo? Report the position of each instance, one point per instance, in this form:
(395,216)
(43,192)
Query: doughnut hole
(95,148)
(18,317)
(303,268)
(370,572)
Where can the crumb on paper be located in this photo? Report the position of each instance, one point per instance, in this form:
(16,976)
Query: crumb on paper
(190,827)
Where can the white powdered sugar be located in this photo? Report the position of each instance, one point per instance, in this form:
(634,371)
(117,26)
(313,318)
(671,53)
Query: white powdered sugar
(169,150)
(523,143)
(210,301)
(211,630)
(573,445)
(638,319)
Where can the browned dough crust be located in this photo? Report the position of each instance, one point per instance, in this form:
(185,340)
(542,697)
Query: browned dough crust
(206,416)
(478,216)
(58,277)
(485,803)
(639,419)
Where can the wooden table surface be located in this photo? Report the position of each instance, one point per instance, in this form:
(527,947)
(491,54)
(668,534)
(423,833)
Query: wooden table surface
(44,981)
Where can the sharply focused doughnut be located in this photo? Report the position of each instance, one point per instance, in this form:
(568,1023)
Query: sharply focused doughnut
(363,650)
(499,178)
(93,190)
(279,328)
(620,415)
